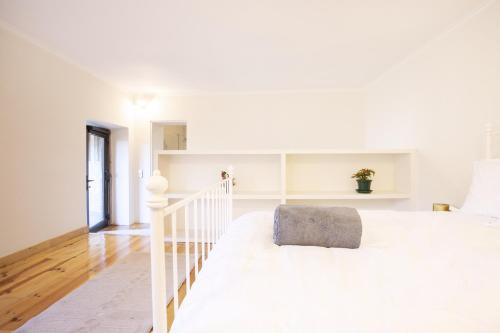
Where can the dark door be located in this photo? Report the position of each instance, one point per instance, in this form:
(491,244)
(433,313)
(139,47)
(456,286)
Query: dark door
(98,176)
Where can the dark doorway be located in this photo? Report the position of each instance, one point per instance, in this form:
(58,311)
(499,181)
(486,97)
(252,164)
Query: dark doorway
(98,178)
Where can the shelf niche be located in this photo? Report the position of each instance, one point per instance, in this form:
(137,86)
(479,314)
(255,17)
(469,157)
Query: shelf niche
(288,176)
(328,176)
(257,175)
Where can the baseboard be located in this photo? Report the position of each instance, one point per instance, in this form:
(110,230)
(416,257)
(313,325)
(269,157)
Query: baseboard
(53,242)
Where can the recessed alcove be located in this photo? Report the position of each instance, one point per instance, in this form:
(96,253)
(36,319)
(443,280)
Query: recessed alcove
(170,135)
(270,177)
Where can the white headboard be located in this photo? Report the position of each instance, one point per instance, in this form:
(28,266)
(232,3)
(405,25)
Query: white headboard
(492,140)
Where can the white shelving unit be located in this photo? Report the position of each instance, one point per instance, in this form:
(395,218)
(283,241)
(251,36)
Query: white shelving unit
(286,176)
(375,195)
(248,195)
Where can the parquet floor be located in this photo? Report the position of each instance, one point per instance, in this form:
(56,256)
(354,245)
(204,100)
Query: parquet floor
(31,285)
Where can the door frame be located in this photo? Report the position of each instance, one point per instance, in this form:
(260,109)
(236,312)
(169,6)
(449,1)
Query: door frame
(103,133)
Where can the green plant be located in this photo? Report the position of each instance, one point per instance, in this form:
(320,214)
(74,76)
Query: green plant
(364,174)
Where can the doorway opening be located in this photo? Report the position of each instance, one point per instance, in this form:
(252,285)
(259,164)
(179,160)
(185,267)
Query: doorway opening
(169,135)
(98,178)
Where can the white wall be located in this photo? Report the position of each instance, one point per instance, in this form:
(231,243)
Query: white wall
(268,121)
(438,101)
(297,120)
(44,105)
(121,204)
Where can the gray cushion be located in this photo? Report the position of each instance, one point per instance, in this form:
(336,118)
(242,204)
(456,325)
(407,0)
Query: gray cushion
(317,226)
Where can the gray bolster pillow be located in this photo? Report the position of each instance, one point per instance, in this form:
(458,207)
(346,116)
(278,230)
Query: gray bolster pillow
(317,226)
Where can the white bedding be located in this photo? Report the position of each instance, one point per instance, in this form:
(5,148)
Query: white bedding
(414,272)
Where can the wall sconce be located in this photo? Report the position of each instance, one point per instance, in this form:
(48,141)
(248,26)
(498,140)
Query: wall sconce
(141,102)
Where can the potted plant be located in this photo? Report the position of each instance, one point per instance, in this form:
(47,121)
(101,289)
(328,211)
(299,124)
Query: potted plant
(364,179)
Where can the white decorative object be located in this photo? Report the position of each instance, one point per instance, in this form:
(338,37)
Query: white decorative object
(216,214)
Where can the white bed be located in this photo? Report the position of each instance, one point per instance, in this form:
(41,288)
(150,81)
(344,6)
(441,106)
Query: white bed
(414,272)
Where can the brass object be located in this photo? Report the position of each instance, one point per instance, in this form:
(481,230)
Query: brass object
(440,207)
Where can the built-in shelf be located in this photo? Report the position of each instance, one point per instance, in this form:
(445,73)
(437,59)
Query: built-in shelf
(289,152)
(256,196)
(236,195)
(265,177)
(375,195)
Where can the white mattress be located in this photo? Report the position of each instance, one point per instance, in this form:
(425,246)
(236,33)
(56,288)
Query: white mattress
(414,272)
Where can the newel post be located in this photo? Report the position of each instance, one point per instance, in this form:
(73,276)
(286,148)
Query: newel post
(157,185)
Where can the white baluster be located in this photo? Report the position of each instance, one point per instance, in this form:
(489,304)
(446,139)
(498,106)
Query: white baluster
(231,176)
(229,185)
(221,230)
(195,221)
(203,221)
(186,247)
(213,218)
(157,185)
(222,208)
(175,273)
(209,225)
(227,204)
(217,213)
(223,200)
(488,141)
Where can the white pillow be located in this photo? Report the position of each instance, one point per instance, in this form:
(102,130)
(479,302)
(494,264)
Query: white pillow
(484,193)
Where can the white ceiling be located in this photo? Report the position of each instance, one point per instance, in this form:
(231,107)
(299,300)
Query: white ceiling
(235,45)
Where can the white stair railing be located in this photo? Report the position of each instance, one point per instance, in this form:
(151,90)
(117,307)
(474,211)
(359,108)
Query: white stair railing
(209,211)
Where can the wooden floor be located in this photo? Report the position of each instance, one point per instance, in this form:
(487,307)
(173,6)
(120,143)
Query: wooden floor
(29,286)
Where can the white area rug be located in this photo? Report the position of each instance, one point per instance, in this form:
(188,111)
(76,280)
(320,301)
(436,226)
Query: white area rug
(127,232)
(116,300)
